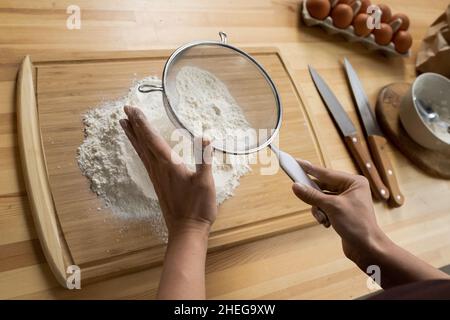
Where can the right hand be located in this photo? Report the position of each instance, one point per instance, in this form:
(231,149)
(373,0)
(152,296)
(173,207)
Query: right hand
(350,209)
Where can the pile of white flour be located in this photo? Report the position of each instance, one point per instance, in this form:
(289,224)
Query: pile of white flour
(116,173)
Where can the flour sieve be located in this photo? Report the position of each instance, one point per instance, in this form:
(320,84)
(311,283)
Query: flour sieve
(251,89)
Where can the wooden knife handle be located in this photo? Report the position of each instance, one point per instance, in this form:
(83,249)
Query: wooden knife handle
(366,165)
(377,145)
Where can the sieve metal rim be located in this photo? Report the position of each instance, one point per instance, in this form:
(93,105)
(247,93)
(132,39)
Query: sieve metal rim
(223,43)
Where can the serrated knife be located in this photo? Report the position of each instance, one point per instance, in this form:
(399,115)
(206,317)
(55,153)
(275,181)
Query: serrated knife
(375,138)
(351,137)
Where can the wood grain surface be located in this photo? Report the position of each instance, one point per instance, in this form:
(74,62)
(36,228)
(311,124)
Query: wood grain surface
(308,263)
(35,172)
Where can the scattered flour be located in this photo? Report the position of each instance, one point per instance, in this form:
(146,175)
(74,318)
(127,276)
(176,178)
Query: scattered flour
(114,169)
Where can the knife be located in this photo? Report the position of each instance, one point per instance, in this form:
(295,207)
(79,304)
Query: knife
(375,138)
(351,137)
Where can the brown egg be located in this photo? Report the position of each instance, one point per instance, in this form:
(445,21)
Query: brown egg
(360,25)
(383,35)
(364,5)
(347,2)
(318,9)
(405,20)
(385,13)
(402,41)
(342,15)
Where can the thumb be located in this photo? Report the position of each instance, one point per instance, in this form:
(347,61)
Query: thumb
(203,157)
(310,195)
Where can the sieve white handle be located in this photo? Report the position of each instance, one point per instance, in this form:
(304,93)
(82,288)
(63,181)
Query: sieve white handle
(296,173)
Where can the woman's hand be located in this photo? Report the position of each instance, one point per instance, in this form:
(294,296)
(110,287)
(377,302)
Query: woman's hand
(187,199)
(188,203)
(350,209)
(351,214)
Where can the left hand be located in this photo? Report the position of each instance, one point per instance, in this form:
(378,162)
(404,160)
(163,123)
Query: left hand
(187,199)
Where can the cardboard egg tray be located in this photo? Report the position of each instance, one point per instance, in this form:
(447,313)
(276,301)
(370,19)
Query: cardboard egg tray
(349,33)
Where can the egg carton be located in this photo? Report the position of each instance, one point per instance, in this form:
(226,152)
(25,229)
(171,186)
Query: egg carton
(349,32)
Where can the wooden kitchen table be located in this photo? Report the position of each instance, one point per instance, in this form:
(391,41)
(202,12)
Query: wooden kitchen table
(305,264)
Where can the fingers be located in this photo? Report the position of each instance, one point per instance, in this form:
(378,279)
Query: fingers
(325,188)
(311,196)
(150,138)
(321,217)
(203,157)
(328,179)
(316,199)
(126,126)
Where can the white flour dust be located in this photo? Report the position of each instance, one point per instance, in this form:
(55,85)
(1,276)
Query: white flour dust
(206,105)
(116,173)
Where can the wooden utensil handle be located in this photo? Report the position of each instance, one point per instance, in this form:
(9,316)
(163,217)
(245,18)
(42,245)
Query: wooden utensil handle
(377,145)
(366,165)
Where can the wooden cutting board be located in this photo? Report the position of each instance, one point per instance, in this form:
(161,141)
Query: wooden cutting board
(52,97)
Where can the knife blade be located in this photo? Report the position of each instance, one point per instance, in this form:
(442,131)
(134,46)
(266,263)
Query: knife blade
(351,137)
(375,138)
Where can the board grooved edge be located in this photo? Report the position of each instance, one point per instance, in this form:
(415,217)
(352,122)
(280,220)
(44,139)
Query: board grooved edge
(35,173)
